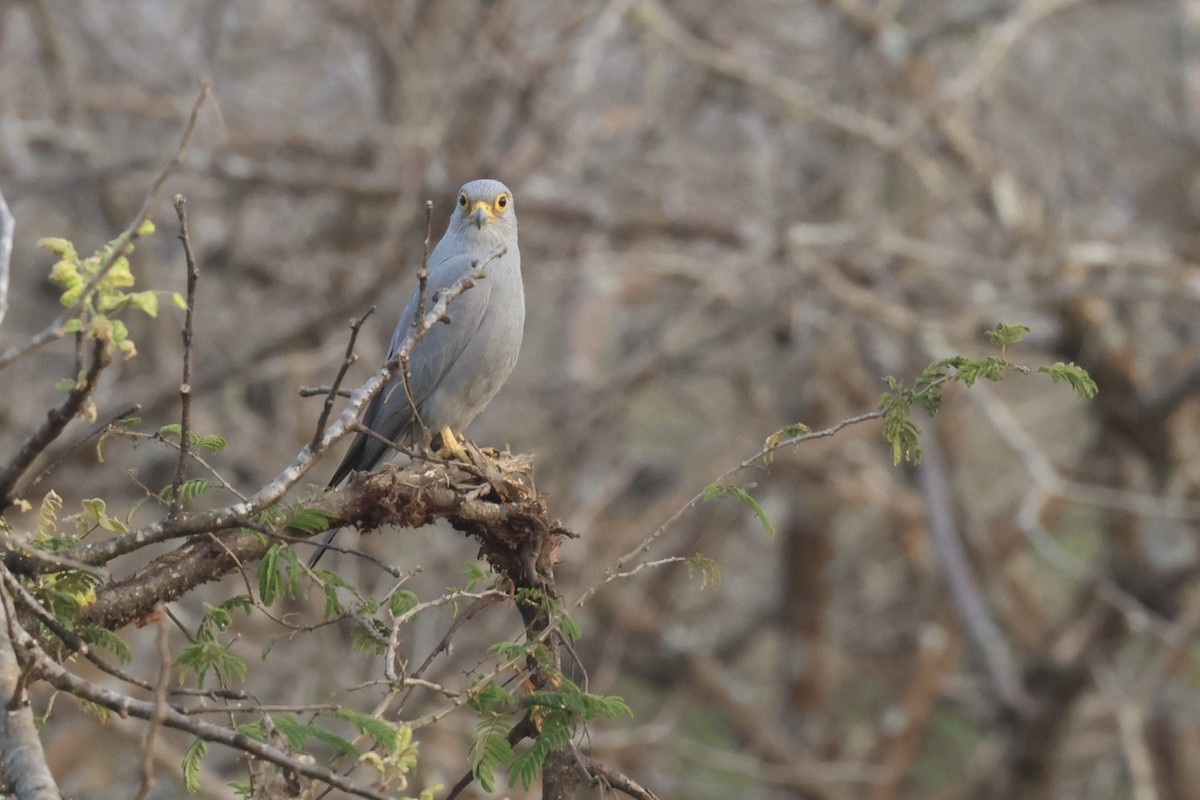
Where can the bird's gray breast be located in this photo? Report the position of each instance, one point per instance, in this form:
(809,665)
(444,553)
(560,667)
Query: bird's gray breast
(464,363)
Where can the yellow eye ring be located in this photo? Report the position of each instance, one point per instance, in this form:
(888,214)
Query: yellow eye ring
(502,201)
(462,199)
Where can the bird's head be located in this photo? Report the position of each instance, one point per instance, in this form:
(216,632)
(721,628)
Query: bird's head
(485,208)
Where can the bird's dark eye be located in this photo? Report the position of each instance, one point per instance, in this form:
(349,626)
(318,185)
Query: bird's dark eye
(462,199)
(502,201)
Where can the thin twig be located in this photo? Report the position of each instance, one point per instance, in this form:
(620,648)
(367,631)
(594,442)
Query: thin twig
(121,245)
(422,299)
(423,272)
(347,362)
(99,430)
(322,390)
(160,707)
(56,421)
(185,387)
(480,599)
(603,774)
(7,223)
(622,563)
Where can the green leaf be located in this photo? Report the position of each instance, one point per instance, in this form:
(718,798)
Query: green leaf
(710,571)
(299,733)
(900,431)
(738,493)
(401,601)
(570,629)
(119,275)
(392,737)
(333,604)
(270,578)
(102,637)
(509,650)
(310,520)
(146,228)
(1075,375)
(56,246)
(191,764)
(1005,335)
(492,698)
(188,490)
(144,301)
(253,729)
(474,573)
(215,617)
(239,601)
(208,654)
(269,646)
(47,520)
(177,298)
(173,429)
(556,732)
(212,442)
(101,713)
(489,751)
(95,514)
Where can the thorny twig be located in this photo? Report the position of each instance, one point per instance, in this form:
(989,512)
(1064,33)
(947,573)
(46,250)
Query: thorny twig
(422,299)
(185,387)
(334,390)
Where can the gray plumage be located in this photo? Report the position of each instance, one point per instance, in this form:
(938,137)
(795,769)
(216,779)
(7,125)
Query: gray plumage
(457,368)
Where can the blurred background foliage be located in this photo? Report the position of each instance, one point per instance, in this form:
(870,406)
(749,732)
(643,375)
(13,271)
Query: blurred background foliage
(734,216)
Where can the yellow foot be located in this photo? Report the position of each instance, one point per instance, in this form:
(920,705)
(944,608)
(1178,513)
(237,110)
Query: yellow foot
(451,446)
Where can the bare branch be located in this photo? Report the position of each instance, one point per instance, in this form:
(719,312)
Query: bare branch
(422,299)
(99,430)
(56,421)
(21,754)
(773,444)
(335,390)
(6,242)
(607,776)
(185,387)
(160,707)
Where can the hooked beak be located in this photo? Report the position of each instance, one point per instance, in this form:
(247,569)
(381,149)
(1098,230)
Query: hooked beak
(481,214)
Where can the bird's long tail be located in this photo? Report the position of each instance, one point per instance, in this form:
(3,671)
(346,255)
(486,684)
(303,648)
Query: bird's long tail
(325,540)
